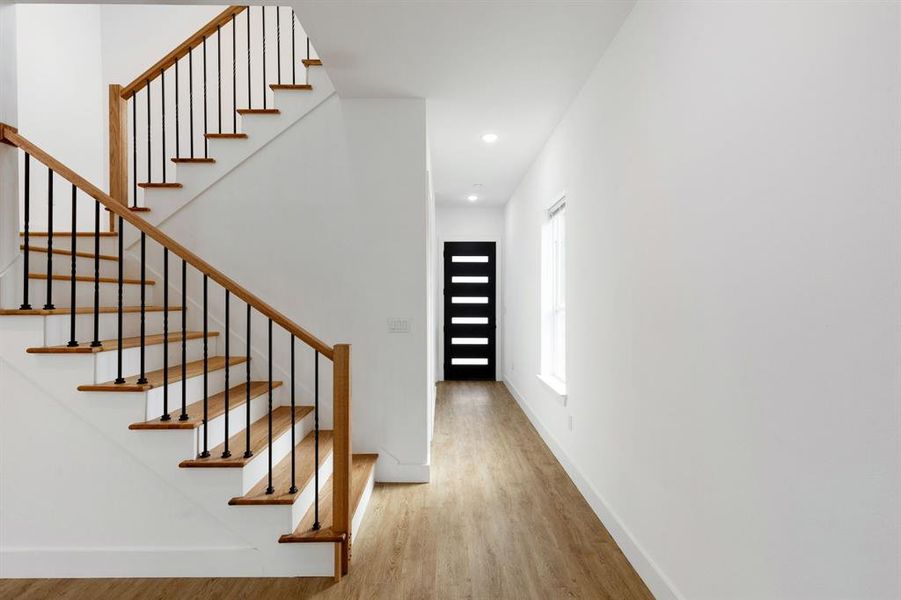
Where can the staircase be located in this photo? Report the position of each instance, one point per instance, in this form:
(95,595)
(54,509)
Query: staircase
(183,388)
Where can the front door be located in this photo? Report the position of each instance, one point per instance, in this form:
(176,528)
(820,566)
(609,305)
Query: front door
(469,310)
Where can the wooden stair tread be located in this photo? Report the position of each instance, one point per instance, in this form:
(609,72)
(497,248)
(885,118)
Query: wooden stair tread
(226,136)
(152,186)
(259,438)
(281,473)
(83,310)
(155,378)
(89,278)
(290,86)
(68,234)
(108,345)
(68,252)
(258,111)
(182,160)
(312,62)
(216,406)
(363,465)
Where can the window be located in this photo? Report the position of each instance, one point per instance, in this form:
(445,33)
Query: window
(553,299)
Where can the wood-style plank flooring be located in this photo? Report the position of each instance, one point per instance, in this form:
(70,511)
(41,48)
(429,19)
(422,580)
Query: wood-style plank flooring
(500,519)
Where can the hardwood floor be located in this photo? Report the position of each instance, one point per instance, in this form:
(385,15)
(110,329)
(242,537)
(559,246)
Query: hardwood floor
(500,519)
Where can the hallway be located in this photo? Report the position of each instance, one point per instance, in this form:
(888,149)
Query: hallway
(500,519)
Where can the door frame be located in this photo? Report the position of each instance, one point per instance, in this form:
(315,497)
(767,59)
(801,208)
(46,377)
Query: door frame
(498,305)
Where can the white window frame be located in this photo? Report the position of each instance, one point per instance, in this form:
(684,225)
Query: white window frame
(552,364)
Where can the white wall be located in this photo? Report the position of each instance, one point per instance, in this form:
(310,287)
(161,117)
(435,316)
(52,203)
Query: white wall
(732,177)
(470,223)
(61,100)
(339,246)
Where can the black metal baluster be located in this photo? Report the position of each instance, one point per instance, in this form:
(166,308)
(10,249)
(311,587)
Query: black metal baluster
(293,488)
(184,347)
(191,100)
(166,416)
(219,75)
(263,57)
(121,236)
(269,488)
(95,343)
(49,304)
(308,47)
(249,95)
(278,42)
(225,451)
(25,305)
(149,153)
(72,341)
(248,452)
(316,441)
(293,51)
(177,136)
(206,450)
(163,130)
(205,130)
(142,379)
(134,150)
(234,77)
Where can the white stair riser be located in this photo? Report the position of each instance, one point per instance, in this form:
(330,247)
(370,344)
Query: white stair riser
(62,265)
(56,327)
(237,419)
(194,390)
(108,245)
(308,494)
(258,467)
(84,293)
(106,363)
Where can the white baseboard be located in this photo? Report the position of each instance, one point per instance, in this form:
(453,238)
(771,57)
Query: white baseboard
(389,470)
(129,562)
(659,584)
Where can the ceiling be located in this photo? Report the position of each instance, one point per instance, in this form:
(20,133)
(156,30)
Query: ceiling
(508,67)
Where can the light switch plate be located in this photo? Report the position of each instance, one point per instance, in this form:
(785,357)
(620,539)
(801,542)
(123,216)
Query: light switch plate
(398,325)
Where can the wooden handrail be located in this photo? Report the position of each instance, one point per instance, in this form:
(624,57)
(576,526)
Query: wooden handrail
(9,135)
(181,50)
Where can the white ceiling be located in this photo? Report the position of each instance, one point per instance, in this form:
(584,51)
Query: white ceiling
(510,67)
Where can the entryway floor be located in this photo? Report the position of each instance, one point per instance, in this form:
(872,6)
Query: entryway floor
(499,519)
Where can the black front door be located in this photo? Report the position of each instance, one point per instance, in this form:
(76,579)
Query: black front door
(469,310)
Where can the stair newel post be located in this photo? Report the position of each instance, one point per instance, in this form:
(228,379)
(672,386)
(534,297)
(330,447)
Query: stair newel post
(316,525)
(342,459)
(49,304)
(248,452)
(142,379)
(206,450)
(120,263)
(118,148)
(95,343)
(166,416)
(225,451)
(25,304)
(293,488)
(270,489)
(72,341)
(184,348)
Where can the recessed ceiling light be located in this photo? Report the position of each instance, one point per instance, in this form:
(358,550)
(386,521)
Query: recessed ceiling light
(489,138)
(472,197)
